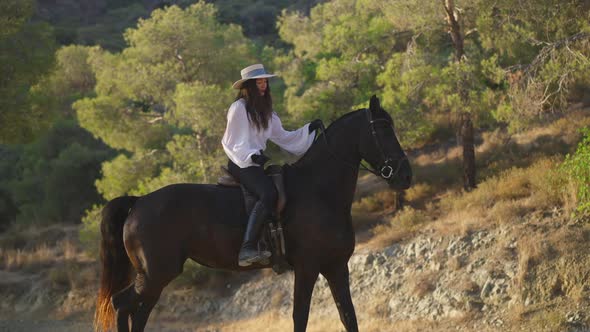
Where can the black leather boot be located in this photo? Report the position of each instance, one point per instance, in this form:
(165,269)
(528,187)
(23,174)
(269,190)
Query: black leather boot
(249,252)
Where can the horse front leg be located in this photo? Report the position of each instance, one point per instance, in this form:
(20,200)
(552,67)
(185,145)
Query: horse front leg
(338,279)
(305,278)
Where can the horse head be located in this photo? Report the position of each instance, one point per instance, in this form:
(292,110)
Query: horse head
(380,147)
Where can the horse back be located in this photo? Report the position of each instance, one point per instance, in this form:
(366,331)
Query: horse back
(180,221)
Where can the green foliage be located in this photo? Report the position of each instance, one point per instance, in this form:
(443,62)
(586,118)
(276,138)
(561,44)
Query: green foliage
(92,22)
(256,17)
(163,99)
(406,95)
(52,179)
(122,125)
(90,232)
(577,166)
(187,49)
(337,51)
(202,107)
(123,174)
(517,31)
(345,50)
(71,78)
(13,15)
(26,53)
(108,29)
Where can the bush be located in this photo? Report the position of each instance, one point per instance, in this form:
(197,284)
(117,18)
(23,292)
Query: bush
(90,231)
(195,274)
(51,180)
(577,167)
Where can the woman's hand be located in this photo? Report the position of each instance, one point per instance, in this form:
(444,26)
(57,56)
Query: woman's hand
(260,159)
(314,125)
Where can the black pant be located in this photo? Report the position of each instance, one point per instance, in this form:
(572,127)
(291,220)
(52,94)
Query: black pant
(256,182)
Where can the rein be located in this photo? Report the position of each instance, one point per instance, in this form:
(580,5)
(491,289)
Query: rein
(386,171)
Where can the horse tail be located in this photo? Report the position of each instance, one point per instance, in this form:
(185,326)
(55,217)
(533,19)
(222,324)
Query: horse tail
(116,266)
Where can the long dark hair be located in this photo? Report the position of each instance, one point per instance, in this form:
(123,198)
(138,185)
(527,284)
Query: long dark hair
(259,108)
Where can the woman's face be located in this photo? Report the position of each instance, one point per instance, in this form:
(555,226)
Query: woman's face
(261,84)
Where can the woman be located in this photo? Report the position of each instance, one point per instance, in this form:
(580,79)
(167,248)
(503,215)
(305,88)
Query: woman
(250,123)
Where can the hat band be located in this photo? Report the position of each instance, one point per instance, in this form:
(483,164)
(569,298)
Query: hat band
(255,72)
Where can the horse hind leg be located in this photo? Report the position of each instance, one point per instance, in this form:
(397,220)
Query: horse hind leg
(149,292)
(125,303)
(136,301)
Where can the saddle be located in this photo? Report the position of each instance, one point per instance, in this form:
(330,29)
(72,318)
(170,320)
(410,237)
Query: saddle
(273,239)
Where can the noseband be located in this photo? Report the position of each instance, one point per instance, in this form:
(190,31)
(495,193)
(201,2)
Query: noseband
(387,171)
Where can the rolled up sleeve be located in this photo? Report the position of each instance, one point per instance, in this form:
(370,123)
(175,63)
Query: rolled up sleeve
(296,142)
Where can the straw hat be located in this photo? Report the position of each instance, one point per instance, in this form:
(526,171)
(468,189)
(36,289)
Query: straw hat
(252,72)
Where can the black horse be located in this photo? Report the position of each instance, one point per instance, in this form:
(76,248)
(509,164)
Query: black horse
(146,240)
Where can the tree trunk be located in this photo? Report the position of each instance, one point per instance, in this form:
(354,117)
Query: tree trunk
(466,132)
(465,124)
(454,28)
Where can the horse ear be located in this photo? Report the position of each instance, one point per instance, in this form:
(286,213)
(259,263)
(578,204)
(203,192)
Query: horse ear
(374,105)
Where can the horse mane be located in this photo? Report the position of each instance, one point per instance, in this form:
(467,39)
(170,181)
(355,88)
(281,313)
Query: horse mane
(307,156)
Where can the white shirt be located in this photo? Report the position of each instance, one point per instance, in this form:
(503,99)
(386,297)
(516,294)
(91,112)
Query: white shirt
(241,139)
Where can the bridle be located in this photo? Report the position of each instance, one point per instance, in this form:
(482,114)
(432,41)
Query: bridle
(386,171)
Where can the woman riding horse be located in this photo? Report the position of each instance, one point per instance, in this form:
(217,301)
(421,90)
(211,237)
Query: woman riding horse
(250,123)
(146,240)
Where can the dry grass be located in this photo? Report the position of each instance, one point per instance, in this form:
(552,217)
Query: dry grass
(424,283)
(369,210)
(550,320)
(516,314)
(572,266)
(382,201)
(41,256)
(439,175)
(273,321)
(419,194)
(518,175)
(459,222)
(511,195)
(563,129)
(507,211)
(29,260)
(531,252)
(60,260)
(400,226)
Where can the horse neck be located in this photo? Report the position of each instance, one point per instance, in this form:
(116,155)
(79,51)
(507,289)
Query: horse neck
(332,167)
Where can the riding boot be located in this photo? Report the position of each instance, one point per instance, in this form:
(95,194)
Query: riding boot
(249,252)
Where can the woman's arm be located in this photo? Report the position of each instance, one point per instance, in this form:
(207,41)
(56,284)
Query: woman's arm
(296,142)
(237,136)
